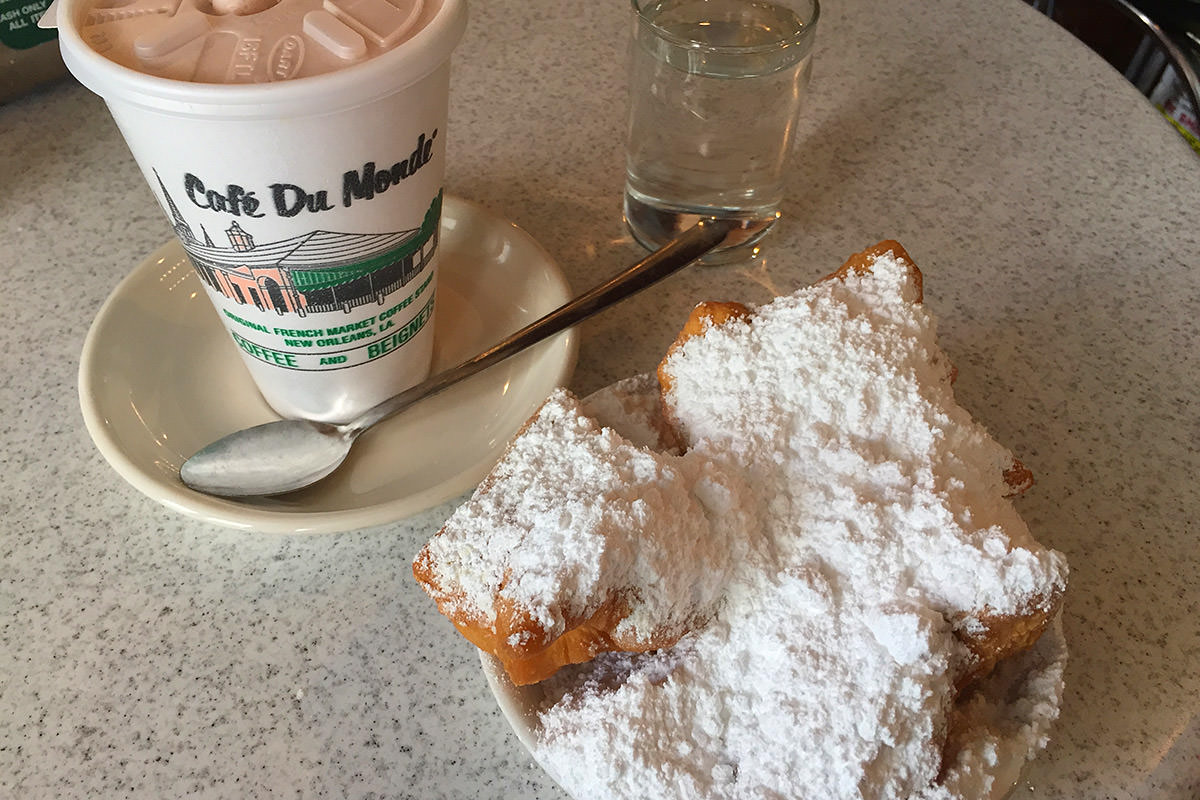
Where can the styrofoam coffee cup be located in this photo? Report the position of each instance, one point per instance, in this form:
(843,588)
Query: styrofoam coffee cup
(309,206)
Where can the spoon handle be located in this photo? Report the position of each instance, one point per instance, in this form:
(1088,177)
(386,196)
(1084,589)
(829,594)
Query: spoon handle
(676,254)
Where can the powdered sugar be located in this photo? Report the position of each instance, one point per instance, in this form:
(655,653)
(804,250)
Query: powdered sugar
(836,526)
(573,515)
(844,407)
(828,672)
(795,697)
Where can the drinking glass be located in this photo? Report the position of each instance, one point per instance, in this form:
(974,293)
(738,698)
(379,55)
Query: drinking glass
(716,88)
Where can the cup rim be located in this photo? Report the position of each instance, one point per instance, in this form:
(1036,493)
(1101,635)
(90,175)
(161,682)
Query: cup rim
(806,33)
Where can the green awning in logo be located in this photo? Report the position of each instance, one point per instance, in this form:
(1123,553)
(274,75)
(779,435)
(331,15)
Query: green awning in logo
(311,279)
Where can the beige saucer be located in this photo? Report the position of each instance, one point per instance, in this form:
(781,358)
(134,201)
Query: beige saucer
(159,378)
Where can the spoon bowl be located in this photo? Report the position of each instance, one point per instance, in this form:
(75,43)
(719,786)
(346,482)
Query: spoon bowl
(291,454)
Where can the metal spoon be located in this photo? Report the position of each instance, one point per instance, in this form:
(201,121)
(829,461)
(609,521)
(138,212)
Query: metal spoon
(289,454)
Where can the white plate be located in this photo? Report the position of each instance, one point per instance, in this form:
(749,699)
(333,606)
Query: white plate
(159,378)
(1026,691)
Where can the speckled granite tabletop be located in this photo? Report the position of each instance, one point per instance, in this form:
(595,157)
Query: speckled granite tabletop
(144,654)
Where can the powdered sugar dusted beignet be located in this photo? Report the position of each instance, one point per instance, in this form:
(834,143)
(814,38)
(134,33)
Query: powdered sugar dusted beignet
(835,541)
(836,402)
(573,544)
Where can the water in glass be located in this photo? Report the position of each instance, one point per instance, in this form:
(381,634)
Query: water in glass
(716,87)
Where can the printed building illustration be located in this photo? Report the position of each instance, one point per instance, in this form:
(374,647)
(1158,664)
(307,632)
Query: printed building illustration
(313,272)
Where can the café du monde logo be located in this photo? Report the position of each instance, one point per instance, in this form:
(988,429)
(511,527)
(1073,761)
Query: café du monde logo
(314,272)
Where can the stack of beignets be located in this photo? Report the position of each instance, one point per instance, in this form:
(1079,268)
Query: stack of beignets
(580,542)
